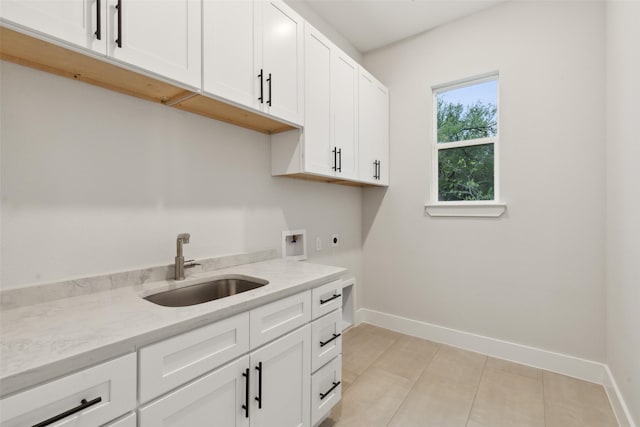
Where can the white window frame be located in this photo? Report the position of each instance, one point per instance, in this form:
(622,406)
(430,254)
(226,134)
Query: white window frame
(480,208)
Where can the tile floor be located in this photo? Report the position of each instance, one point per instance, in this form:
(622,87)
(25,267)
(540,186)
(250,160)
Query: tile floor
(391,379)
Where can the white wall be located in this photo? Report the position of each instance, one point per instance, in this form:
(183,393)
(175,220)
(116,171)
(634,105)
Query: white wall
(95,182)
(623,199)
(536,275)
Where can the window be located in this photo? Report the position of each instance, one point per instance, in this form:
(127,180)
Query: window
(466,141)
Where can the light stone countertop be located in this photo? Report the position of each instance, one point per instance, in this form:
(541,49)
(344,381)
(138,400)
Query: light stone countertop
(44,341)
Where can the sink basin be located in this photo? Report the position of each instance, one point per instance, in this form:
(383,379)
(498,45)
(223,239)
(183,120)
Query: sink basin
(207,291)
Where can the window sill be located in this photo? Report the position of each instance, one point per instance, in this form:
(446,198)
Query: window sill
(482,210)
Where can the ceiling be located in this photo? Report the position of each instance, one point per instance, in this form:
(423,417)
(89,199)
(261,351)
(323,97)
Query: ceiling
(370,24)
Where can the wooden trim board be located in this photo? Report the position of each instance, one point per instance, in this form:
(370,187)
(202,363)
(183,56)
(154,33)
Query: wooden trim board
(327,179)
(35,53)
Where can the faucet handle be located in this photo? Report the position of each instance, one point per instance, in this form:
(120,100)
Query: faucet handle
(190,263)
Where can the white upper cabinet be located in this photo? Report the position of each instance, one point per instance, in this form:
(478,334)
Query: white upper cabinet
(161,36)
(228,41)
(253,56)
(331,101)
(373,130)
(80,22)
(279,60)
(319,151)
(328,145)
(344,92)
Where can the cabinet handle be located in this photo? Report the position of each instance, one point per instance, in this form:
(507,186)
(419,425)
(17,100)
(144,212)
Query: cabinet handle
(379,168)
(333,387)
(335,337)
(340,159)
(84,404)
(375,169)
(119,39)
(335,159)
(324,301)
(245,374)
(98,32)
(261,75)
(259,396)
(270,83)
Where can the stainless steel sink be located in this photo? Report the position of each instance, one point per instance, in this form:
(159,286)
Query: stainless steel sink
(207,291)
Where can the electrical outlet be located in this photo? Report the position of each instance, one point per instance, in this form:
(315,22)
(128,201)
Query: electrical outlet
(335,240)
(318,244)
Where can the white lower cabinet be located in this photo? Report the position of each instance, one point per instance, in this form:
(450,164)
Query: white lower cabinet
(214,399)
(88,398)
(269,387)
(326,389)
(175,361)
(326,340)
(281,379)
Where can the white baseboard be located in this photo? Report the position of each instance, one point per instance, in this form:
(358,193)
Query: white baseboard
(618,404)
(576,367)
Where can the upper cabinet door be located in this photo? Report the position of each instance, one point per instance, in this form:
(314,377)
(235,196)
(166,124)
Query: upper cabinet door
(228,42)
(161,36)
(280,51)
(382,149)
(373,130)
(344,73)
(80,22)
(318,124)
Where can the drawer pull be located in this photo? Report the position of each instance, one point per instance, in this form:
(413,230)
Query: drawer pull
(259,396)
(98,32)
(261,75)
(84,404)
(245,374)
(323,395)
(335,336)
(324,301)
(119,39)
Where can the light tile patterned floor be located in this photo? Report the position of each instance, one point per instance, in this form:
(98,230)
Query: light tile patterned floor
(391,379)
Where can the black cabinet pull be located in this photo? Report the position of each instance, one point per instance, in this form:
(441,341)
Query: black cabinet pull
(84,404)
(245,374)
(375,169)
(379,168)
(259,396)
(119,39)
(335,337)
(324,301)
(98,32)
(340,159)
(335,159)
(261,75)
(270,84)
(323,395)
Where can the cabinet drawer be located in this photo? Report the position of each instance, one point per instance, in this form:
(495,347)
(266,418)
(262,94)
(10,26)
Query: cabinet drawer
(326,389)
(326,339)
(277,318)
(128,421)
(108,391)
(326,298)
(173,362)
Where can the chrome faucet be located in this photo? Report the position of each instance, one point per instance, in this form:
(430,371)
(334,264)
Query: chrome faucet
(180,262)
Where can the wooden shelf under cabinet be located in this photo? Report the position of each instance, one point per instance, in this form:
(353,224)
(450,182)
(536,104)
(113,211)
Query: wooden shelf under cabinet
(32,52)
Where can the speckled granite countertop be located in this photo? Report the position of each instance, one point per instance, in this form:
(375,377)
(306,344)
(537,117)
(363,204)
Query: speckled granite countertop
(44,341)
